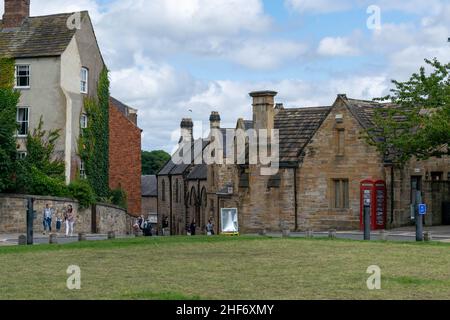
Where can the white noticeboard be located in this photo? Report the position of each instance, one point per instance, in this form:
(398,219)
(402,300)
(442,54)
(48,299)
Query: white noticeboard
(229,221)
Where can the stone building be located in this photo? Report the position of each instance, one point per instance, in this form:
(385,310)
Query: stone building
(150,197)
(323,160)
(58,64)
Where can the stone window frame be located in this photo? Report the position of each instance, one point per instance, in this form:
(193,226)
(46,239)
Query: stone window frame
(340,142)
(163,188)
(84,80)
(82,170)
(18,77)
(20,122)
(344,194)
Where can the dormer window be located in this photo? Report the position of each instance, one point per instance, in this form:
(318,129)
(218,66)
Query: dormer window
(84,80)
(22,75)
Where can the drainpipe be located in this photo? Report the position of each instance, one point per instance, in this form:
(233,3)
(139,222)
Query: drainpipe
(392,195)
(295,199)
(170,200)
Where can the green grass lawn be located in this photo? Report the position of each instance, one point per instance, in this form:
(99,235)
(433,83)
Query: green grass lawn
(226,268)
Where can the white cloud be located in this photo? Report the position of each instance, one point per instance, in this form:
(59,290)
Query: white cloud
(317,6)
(336,47)
(266,54)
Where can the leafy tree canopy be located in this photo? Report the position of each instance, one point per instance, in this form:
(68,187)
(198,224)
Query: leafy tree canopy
(417,123)
(153,161)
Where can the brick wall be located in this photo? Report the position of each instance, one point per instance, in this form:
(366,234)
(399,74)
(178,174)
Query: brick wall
(125,158)
(149,205)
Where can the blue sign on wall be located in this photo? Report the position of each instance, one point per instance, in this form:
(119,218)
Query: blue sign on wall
(422,209)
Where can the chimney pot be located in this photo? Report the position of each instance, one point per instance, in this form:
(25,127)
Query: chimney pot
(214,120)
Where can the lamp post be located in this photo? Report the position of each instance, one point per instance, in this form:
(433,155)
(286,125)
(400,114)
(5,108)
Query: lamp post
(30,220)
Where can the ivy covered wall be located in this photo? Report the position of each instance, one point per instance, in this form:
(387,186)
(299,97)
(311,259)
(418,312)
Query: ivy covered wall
(94,141)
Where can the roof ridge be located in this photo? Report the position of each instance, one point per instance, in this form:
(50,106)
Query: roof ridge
(58,14)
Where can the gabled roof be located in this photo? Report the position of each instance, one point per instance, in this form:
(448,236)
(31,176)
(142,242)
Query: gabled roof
(199,172)
(297,127)
(149,186)
(42,36)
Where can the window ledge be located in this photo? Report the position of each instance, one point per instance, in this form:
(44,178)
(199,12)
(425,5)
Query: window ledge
(22,88)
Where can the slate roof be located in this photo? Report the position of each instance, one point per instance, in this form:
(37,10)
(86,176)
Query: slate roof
(170,168)
(122,107)
(200,172)
(296,127)
(42,36)
(149,186)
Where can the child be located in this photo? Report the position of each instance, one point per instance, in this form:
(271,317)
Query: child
(59,222)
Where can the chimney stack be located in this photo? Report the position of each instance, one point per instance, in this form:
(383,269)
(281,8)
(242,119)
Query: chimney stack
(214,120)
(187,130)
(263,109)
(16,12)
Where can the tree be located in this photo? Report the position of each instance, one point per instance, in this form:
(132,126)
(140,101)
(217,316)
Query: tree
(415,122)
(153,161)
(9,98)
(41,172)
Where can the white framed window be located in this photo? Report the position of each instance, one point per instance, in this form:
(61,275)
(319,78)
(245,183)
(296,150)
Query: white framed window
(84,80)
(23,120)
(82,170)
(22,75)
(21,155)
(83,121)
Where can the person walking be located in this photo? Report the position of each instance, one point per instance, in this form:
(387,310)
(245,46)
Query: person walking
(210,228)
(193,228)
(70,221)
(48,213)
(59,222)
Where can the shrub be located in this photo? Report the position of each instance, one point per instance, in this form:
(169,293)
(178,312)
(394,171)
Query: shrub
(38,183)
(119,198)
(83,192)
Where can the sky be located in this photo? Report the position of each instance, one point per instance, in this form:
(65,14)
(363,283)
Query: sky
(172,59)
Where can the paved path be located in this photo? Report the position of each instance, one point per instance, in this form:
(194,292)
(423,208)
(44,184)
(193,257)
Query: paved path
(439,233)
(13,239)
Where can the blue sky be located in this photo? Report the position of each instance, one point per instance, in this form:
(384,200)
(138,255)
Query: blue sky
(170,56)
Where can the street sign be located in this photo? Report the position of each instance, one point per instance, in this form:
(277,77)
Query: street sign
(422,209)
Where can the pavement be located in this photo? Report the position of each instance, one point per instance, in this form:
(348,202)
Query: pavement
(13,239)
(439,233)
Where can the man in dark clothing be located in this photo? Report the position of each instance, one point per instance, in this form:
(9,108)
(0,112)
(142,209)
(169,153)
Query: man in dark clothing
(192,228)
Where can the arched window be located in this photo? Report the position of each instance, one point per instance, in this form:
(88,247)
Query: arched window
(177,191)
(163,187)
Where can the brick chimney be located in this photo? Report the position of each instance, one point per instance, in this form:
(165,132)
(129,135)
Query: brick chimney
(263,109)
(214,120)
(16,12)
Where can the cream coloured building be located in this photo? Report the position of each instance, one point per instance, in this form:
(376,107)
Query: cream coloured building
(58,63)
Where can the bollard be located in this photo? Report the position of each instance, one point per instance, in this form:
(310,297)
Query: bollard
(53,239)
(310,234)
(286,233)
(82,236)
(22,240)
(332,234)
(427,236)
(384,235)
(111,235)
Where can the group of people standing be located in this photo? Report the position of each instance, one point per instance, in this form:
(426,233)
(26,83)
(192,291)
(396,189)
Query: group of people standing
(191,230)
(67,218)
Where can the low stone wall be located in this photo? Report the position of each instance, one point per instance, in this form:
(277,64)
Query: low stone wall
(107,218)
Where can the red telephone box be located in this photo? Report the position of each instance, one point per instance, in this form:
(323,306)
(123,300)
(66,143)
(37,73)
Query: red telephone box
(373,194)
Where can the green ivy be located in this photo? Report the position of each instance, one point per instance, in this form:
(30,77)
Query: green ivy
(9,98)
(94,141)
